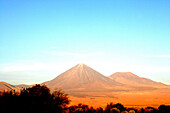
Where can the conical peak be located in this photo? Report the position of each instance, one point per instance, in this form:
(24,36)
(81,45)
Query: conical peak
(81,65)
(81,76)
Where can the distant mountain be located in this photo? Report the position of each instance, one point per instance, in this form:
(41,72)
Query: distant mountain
(80,77)
(7,87)
(131,79)
(23,86)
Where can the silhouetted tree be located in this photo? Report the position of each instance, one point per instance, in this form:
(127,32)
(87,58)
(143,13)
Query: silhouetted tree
(119,106)
(8,100)
(99,110)
(59,100)
(114,108)
(36,99)
(81,108)
(164,109)
(142,110)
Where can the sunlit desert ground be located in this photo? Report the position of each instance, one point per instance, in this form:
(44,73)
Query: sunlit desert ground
(135,99)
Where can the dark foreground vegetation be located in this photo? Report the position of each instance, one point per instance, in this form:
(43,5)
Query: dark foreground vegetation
(38,99)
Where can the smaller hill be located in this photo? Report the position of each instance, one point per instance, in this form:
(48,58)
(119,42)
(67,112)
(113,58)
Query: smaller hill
(7,87)
(131,79)
(23,86)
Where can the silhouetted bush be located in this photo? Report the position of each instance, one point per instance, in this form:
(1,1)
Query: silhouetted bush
(116,108)
(99,110)
(36,99)
(164,109)
(80,108)
(8,100)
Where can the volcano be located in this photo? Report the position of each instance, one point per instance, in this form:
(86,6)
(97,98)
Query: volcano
(82,76)
(131,79)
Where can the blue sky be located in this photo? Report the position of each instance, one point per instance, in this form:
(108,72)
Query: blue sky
(39,39)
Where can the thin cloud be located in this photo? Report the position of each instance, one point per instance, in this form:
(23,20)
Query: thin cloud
(53,47)
(162,56)
(149,69)
(77,55)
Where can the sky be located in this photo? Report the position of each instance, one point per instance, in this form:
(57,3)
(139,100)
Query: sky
(40,39)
